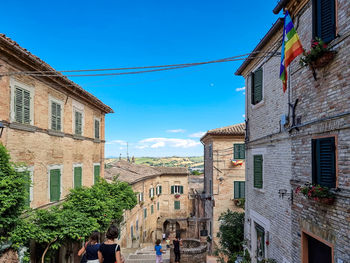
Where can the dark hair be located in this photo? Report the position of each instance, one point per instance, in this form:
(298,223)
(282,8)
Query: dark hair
(158,242)
(94,236)
(112,232)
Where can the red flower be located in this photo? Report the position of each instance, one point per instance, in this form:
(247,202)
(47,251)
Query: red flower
(297,190)
(324,45)
(267,243)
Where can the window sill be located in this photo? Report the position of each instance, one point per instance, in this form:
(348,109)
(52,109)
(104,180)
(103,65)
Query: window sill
(97,140)
(259,190)
(258,105)
(78,137)
(22,127)
(55,133)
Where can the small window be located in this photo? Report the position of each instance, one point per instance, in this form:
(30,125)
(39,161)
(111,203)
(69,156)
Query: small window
(137,225)
(239,190)
(78,123)
(132,232)
(239,151)
(97,129)
(78,172)
(177,205)
(256,90)
(177,189)
(27,174)
(324,19)
(151,192)
(140,197)
(258,171)
(56,116)
(55,185)
(158,206)
(145,212)
(22,105)
(260,242)
(158,189)
(96,173)
(152,209)
(324,162)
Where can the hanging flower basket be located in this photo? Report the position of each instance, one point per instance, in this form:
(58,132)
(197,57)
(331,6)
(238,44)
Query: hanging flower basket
(323,60)
(177,196)
(318,56)
(317,193)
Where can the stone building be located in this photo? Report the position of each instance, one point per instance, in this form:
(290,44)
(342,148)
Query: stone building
(224,173)
(52,125)
(297,137)
(163,202)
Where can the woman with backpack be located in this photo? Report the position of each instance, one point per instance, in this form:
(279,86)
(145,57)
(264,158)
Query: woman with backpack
(90,248)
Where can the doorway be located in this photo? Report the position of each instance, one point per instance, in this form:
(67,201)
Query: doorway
(316,250)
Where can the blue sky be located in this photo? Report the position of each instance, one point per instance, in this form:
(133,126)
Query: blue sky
(158,114)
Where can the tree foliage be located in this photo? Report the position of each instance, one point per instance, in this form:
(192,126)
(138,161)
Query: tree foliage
(13,193)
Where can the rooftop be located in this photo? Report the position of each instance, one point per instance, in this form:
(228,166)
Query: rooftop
(235,130)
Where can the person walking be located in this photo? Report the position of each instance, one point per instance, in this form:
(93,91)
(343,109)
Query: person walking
(109,251)
(177,242)
(167,243)
(159,252)
(91,248)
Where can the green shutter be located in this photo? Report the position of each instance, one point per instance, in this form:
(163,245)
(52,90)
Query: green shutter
(53,116)
(238,151)
(258,171)
(26,174)
(96,173)
(55,185)
(152,209)
(18,105)
(145,212)
(78,123)
(257,86)
(26,107)
(58,117)
(242,189)
(160,189)
(181,189)
(97,129)
(158,206)
(177,205)
(236,190)
(77,177)
(324,19)
(149,193)
(172,189)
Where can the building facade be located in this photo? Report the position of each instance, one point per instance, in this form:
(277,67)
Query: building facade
(224,173)
(52,126)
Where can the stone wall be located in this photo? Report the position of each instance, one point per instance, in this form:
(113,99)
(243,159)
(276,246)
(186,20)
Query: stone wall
(192,251)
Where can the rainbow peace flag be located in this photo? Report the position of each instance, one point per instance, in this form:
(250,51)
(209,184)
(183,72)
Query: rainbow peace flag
(291,48)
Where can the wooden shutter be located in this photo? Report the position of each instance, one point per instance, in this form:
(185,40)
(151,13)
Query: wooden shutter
(236,190)
(324,166)
(26,174)
(158,206)
(96,173)
(145,212)
(97,129)
(78,123)
(172,189)
(177,205)
(238,151)
(149,193)
(19,105)
(58,117)
(77,177)
(53,116)
(181,189)
(257,86)
(26,107)
(258,171)
(160,189)
(324,19)
(242,189)
(55,185)
(152,209)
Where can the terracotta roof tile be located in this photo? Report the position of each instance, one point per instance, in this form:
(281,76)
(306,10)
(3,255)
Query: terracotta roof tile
(236,129)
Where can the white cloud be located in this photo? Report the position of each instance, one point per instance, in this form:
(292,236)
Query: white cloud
(243,115)
(167,142)
(121,142)
(240,89)
(197,134)
(176,130)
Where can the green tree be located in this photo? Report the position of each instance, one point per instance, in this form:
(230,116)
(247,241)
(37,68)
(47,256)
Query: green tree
(13,194)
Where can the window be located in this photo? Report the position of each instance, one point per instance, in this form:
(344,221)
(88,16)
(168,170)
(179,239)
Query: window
(324,162)
(132,232)
(152,209)
(78,172)
(28,173)
(22,105)
(177,205)
(145,212)
(78,123)
(96,173)
(257,80)
(137,225)
(177,189)
(324,20)
(56,116)
(238,151)
(55,184)
(151,192)
(97,129)
(158,189)
(260,242)
(158,206)
(239,190)
(258,171)
(140,197)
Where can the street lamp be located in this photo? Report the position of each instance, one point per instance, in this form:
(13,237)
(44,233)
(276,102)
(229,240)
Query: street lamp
(1,128)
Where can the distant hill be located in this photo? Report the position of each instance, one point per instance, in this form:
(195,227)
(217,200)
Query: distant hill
(196,162)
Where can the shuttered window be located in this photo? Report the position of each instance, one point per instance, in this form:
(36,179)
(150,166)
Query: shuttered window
(324,162)
(158,206)
(177,189)
(258,171)
(78,123)
(239,190)
(22,105)
(158,189)
(78,172)
(145,212)
(238,151)
(55,185)
(96,173)
(324,20)
(141,197)
(56,116)
(257,81)
(151,192)
(97,129)
(176,205)
(27,186)
(152,209)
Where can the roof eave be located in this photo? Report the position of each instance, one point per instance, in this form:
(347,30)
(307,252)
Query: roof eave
(281,4)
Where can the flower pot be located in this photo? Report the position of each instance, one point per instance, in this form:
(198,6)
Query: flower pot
(326,201)
(323,60)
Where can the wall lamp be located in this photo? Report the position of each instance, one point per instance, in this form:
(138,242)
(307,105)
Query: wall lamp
(1,128)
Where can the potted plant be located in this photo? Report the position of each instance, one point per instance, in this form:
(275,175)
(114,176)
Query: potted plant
(318,193)
(239,202)
(177,196)
(318,56)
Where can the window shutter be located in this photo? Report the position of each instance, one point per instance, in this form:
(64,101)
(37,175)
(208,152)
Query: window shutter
(145,212)
(324,166)
(252,88)
(242,189)
(26,107)
(58,117)
(236,190)
(235,151)
(324,24)
(181,189)
(96,173)
(172,189)
(160,189)
(76,122)
(257,86)
(27,186)
(242,151)
(77,177)
(97,129)
(19,105)
(152,209)
(258,171)
(149,193)
(239,151)
(53,116)
(55,185)
(158,206)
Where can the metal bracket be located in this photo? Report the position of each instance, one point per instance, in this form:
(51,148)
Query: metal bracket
(293,106)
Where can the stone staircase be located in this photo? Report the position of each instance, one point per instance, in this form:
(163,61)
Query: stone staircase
(147,255)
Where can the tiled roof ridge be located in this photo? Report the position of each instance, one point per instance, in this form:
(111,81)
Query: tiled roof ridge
(47,67)
(235,129)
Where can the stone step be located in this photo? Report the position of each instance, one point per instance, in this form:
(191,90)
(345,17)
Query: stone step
(145,260)
(141,256)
